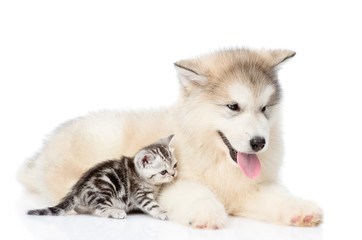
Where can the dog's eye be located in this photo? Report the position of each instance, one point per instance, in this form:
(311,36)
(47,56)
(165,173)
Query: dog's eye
(263,109)
(163,172)
(233,107)
(174,166)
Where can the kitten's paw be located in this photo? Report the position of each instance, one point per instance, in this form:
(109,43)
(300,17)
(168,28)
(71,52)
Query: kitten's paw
(117,213)
(111,213)
(302,214)
(159,213)
(162,216)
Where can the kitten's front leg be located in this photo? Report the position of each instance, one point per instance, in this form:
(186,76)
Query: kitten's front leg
(104,208)
(146,202)
(273,203)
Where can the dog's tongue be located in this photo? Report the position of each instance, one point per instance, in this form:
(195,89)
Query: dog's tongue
(249,164)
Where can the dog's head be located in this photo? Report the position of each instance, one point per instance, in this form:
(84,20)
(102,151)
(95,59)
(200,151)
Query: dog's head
(234,94)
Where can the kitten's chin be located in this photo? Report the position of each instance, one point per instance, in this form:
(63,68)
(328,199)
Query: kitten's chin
(168,180)
(162,181)
(165,181)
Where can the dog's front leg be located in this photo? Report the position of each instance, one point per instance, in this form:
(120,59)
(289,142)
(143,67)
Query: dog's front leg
(273,203)
(191,203)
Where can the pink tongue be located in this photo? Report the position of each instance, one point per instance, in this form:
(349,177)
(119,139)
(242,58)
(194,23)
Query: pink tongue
(249,164)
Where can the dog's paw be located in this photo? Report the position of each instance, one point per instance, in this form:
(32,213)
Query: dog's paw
(191,203)
(306,221)
(207,215)
(302,214)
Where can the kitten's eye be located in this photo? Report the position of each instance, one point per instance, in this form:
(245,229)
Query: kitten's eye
(263,109)
(174,166)
(233,107)
(163,172)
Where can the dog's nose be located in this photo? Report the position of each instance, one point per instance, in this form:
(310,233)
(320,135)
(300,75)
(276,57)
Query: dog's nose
(257,143)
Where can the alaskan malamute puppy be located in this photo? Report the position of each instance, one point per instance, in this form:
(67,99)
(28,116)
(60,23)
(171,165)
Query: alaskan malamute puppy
(227,141)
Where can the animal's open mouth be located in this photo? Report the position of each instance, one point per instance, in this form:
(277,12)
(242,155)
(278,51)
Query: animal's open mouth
(248,163)
(232,151)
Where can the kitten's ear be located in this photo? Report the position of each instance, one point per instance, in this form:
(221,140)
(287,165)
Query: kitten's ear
(166,141)
(143,158)
(169,139)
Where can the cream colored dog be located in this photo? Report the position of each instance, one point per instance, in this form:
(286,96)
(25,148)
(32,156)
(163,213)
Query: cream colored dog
(227,141)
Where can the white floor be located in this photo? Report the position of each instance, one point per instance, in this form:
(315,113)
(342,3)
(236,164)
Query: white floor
(17,224)
(139,226)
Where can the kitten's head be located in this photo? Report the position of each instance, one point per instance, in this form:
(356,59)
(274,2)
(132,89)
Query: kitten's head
(156,163)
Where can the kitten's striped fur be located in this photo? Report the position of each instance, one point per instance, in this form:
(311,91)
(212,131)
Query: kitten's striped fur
(115,187)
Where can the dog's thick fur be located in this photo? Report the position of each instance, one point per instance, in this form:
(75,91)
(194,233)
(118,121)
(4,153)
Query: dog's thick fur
(210,185)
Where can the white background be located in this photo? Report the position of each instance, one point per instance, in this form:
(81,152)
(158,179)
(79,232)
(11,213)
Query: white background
(62,59)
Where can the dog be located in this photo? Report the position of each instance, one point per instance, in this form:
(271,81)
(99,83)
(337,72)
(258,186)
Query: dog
(228,143)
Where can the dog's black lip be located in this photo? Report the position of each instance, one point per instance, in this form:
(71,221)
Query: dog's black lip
(232,151)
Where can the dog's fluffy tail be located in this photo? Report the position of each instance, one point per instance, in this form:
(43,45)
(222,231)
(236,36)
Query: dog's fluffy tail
(28,175)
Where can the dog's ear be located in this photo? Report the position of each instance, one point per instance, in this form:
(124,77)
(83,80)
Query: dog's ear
(278,56)
(189,77)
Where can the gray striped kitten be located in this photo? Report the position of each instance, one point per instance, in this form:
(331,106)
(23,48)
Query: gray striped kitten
(116,187)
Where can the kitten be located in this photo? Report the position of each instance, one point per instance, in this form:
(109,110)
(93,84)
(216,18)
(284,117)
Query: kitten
(116,187)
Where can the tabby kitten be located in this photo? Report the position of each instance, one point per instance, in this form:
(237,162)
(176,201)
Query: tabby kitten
(116,187)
